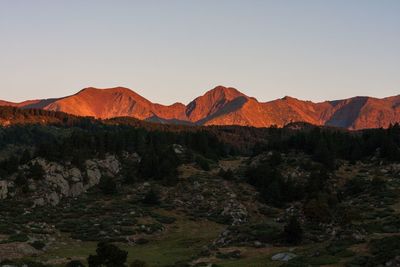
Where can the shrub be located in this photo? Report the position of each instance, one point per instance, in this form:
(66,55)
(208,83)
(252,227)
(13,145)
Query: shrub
(203,163)
(107,185)
(33,264)
(39,245)
(355,186)
(385,249)
(164,219)
(36,171)
(129,172)
(18,238)
(317,210)
(275,159)
(21,180)
(293,232)
(75,263)
(138,263)
(273,187)
(152,197)
(227,175)
(261,232)
(108,255)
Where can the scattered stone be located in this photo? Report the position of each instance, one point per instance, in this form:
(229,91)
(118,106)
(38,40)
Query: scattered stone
(3,189)
(284,256)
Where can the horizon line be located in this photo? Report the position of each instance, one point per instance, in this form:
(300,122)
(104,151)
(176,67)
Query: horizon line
(205,92)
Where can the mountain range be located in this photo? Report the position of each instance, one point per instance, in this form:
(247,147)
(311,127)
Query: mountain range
(225,106)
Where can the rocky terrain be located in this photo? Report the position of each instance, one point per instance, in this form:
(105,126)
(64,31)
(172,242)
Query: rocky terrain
(60,181)
(225,106)
(206,218)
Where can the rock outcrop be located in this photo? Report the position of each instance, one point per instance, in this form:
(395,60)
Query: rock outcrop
(60,181)
(4,189)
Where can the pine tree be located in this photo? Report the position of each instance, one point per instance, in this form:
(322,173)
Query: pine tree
(293,232)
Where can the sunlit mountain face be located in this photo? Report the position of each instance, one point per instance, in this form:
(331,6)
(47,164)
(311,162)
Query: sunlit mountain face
(225,106)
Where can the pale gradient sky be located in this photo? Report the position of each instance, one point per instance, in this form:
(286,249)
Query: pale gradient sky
(170,51)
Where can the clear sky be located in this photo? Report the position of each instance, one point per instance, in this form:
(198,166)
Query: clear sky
(170,51)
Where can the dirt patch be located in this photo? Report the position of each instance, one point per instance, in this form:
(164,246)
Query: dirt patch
(187,170)
(232,164)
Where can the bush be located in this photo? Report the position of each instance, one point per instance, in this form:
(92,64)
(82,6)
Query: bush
(108,255)
(159,164)
(275,159)
(138,263)
(152,197)
(36,171)
(22,263)
(355,186)
(227,175)
(317,210)
(18,238)
(107,185)
(385,249)
(377,184)
(141,241)
(75,263)
(344,215)
(261,232)
(39,245)
(203,163)
(129,172)
(164,219)
(273,187)
(20,180)
(293,232)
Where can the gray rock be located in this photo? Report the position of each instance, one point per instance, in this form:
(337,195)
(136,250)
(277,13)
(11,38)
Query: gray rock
(53,198)
(93,177)
(110,163)
(65,180)
(76,189)
(38,202)
(178,149)
(75,174)
(58,181)
(3,189)
(283,256)
(258,244)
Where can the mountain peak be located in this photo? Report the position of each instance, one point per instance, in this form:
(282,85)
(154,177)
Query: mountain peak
(118,89)
(223,92)
(212,102)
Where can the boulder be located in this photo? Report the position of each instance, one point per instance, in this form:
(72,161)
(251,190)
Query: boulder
(75,174)
(283,256)
(110,163)
(3,189)
(178,149)
(76,189)
(93,177)
(38,202)
(58,181)
(53,198)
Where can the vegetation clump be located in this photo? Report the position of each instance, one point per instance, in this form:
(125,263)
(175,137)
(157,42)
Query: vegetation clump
(108,255)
